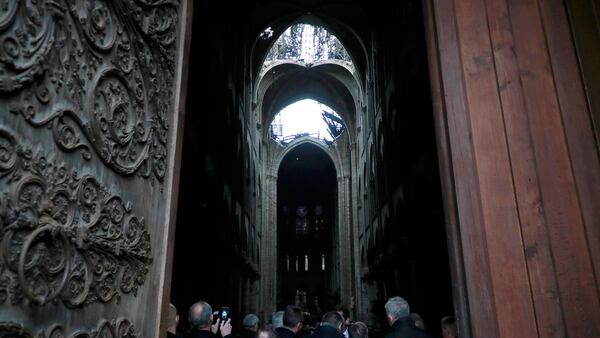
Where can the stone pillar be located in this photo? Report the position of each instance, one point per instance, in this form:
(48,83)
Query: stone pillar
(344,240)
(268,252)
(359,310)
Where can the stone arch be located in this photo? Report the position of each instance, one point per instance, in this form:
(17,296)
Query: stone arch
(339,93)
(332,153)
(342,168)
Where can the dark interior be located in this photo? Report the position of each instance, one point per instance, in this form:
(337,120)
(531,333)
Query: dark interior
(402,245)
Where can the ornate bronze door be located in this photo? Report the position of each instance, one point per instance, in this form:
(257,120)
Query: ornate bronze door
(89,123)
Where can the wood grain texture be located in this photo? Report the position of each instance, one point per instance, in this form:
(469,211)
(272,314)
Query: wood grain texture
(524,164)
(477,269)
(566,231)
(584,20)
(498,205)
(457,267)
(530,207)
(576,119)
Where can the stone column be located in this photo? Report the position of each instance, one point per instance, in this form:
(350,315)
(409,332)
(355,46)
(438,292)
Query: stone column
(268,252)
(344,240)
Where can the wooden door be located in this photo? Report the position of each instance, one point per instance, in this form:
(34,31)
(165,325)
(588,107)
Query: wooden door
(90,95)
(520,170)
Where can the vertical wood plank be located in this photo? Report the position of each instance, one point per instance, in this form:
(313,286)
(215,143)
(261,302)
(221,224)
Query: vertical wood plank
(578,292)
(481,299)
(503,233)
(537,247)
(525,167)
(577,122)
(585,24)
(455,249)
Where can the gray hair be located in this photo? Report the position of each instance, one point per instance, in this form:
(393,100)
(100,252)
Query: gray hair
(200,314)
(358,330)
(251,320)
(277,319)
(397,307)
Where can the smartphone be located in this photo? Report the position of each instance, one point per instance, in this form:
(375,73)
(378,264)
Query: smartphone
(224,314)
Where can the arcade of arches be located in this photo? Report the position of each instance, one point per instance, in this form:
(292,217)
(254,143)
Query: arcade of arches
(154,152)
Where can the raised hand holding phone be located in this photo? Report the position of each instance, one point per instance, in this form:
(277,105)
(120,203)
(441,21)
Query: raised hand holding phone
(225,327)
(216,326)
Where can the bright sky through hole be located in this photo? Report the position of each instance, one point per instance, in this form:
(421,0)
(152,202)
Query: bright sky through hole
(300,118)
(306,43)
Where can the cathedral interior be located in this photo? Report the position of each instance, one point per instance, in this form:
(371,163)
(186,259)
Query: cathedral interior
(319,153)
(263,223)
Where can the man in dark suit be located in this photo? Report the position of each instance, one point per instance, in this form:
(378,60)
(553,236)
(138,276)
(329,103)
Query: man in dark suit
(250,326)
(403,326)
(332,325)
(292,322)
(201,318)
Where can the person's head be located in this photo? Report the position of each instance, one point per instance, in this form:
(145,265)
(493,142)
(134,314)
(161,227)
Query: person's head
(277,319)
(343,312)
(250,322)
(292,318)
(419,322)
(267,331)
(201,315)
(358,330)
(173,319)
(334,319)
(449,327)
(396,308)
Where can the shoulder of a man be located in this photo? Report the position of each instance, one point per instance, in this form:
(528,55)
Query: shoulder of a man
(202,334)
(284,332)
(418,333)
(427,335)
(395,332)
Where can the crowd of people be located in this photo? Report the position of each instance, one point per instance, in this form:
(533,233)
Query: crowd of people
(290,324)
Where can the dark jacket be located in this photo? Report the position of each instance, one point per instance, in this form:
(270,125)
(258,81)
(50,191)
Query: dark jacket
(245,333)
(405,328)
(203,334)
(326,331)
(284,332)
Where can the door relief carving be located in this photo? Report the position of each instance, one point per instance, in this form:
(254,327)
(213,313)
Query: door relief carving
(64,236)
(100,74)
(89,122)
(121,328)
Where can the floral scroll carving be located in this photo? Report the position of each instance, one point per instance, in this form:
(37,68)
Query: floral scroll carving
(64,236)
(99,73)
(121,328)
